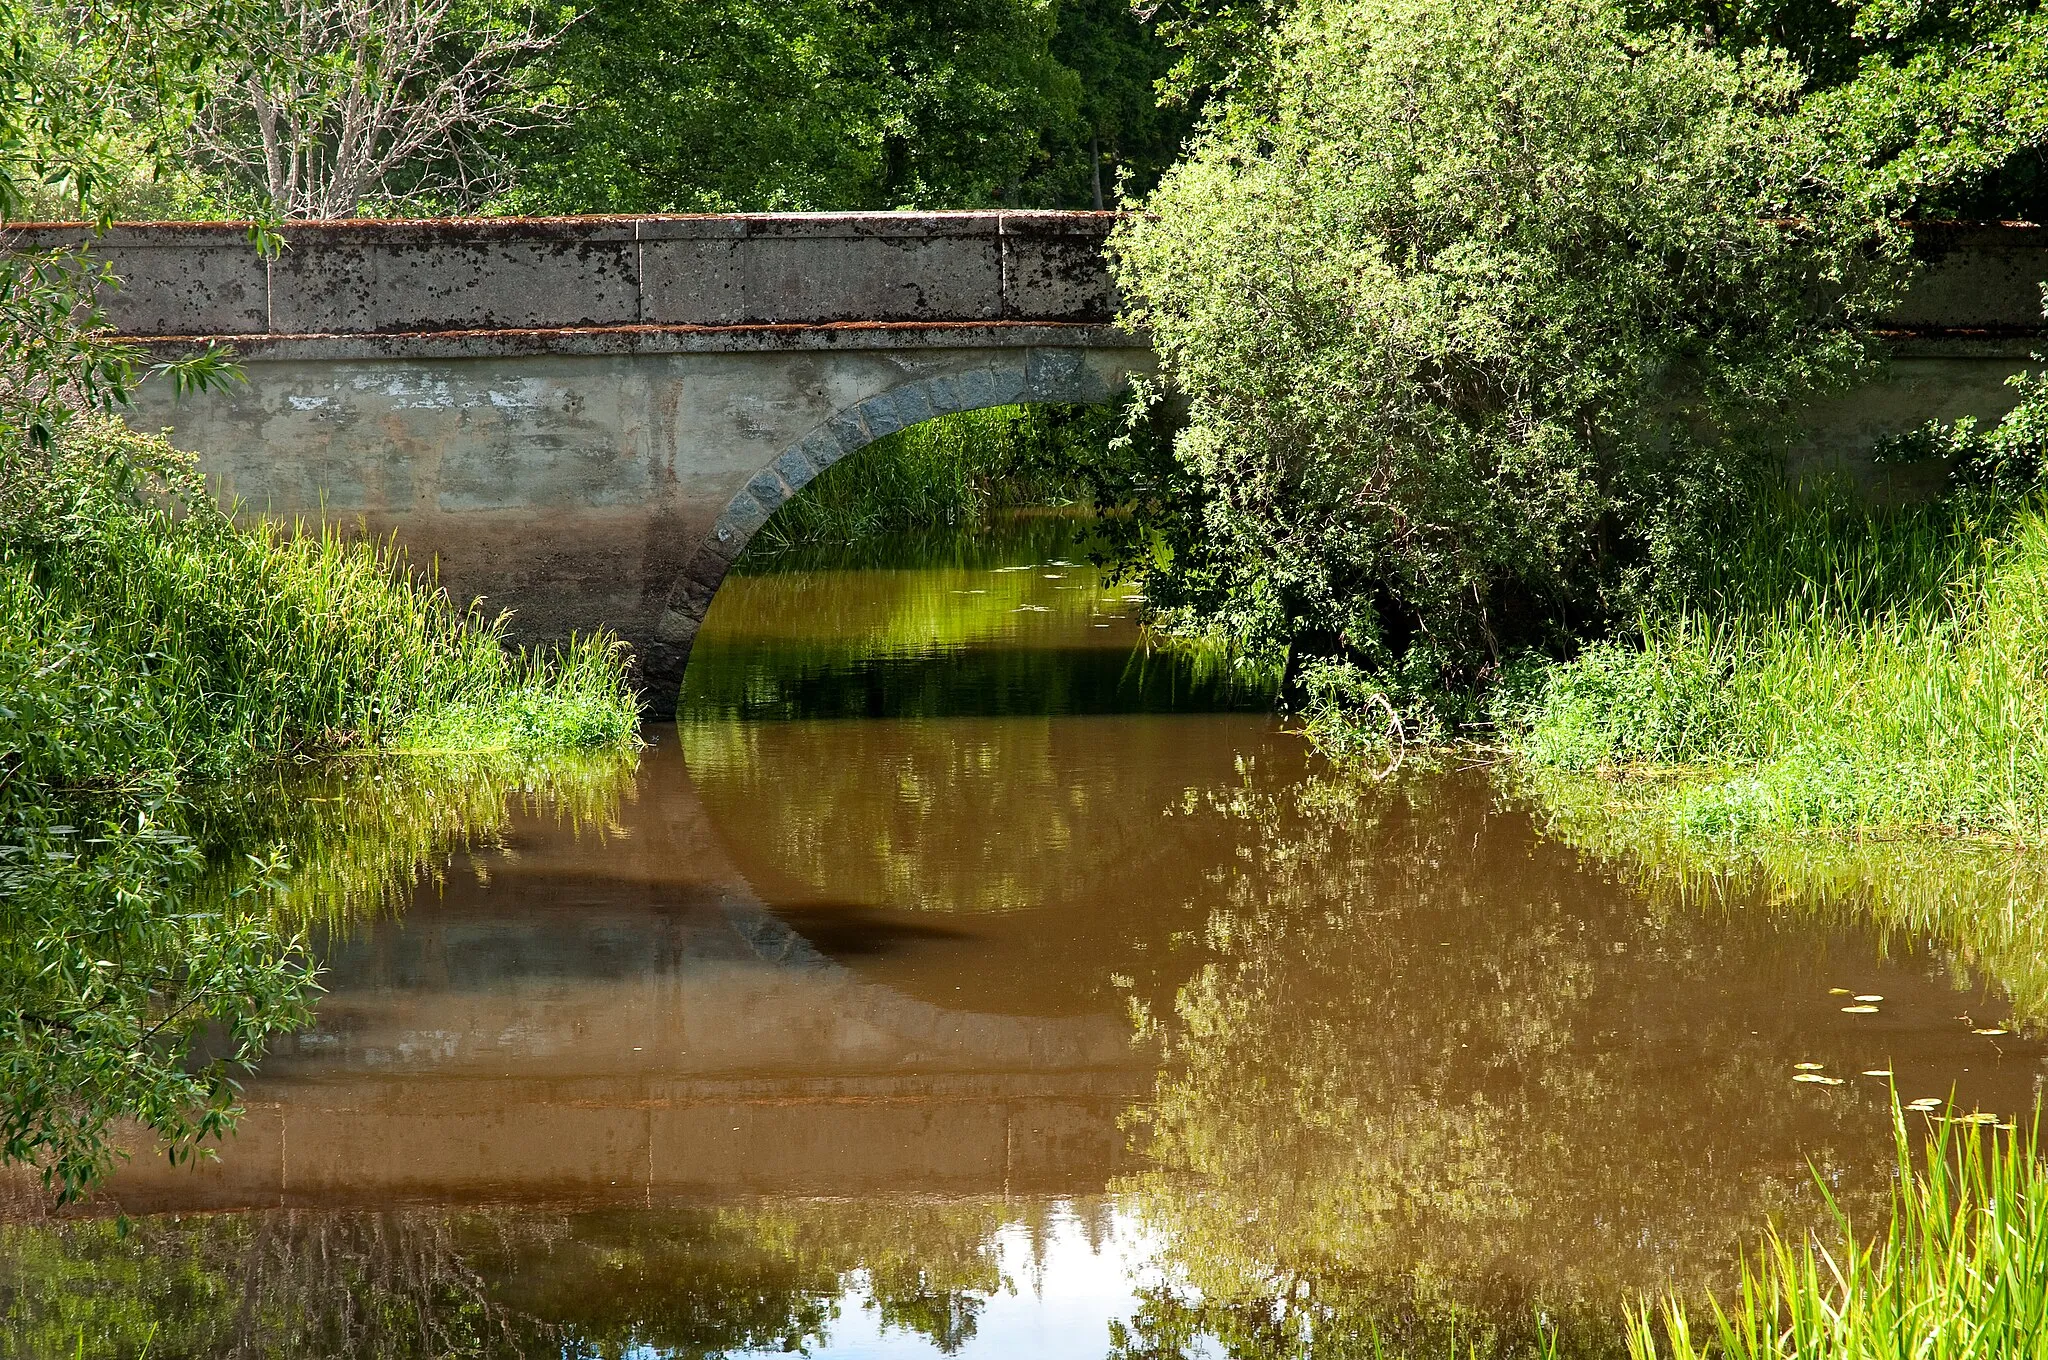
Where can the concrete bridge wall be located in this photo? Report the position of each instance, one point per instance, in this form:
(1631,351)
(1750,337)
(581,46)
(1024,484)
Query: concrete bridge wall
(585,420)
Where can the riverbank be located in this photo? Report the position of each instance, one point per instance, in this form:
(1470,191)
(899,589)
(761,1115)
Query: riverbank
(1826,666)
(152,651)
(1847,673)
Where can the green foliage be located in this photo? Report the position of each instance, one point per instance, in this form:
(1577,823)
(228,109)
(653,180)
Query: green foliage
(95,95)
(1960,1270)
(736,105)
(510,1283)
(1943,114)
(1924,108)
(226,646)
(1477,311)
(946,473)
(2003,464)
(1394,1096)
(107,992)
(1983,908)
(148,646)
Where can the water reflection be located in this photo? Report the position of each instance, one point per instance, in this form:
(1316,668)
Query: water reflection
(1011,622)
(984,1029)
(959,1277)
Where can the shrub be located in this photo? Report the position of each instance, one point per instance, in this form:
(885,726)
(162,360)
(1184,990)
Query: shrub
(1478,309)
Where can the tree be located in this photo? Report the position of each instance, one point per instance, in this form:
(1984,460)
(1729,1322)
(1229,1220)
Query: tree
(346,106)
(1472,306)
(775,105)
(94,91)
(1121,128)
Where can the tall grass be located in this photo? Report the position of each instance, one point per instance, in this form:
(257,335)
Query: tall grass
(1842,670)
(212,646)
(1959,1272)
(950,472)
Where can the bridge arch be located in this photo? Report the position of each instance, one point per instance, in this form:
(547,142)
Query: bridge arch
(1049,375)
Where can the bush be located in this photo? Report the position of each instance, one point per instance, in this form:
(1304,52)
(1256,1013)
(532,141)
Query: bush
(1478,310)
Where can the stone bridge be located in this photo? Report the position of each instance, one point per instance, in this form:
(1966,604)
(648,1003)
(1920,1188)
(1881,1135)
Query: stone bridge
(585,419)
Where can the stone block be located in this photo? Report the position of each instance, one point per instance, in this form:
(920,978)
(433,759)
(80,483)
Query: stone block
(913,404)
(676,626)
(944,393)
(880,415)
(796,468)
(849,430)
(175,280)
(822,448)
(394,277)
(1057,375)
(743,514)
(768,491)
(821,268)
(692,271)
(1006,384)
(1053,267)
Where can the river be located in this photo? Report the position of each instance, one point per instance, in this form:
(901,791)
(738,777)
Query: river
(962,975)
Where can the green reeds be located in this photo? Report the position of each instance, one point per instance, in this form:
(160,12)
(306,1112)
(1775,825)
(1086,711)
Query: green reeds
(214,646)
(1842,672)
(1959,1273)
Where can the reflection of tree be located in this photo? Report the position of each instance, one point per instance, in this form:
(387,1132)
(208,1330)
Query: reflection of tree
(959,816)
(401,1284)
(144,967)
(1430,1073)
(1984,907)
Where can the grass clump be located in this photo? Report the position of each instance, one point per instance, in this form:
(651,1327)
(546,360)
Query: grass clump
(1960,1271)
(1894,685)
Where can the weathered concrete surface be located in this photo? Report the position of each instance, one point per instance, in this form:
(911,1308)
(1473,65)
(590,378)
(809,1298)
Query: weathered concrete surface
(387,277)
(584,420)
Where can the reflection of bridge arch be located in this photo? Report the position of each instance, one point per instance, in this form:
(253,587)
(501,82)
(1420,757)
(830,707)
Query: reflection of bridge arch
(622,1021)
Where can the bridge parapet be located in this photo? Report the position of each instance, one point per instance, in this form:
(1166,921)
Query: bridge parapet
(363,278)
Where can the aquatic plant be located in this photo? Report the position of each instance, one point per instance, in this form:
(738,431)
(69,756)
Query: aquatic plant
(1960,1270)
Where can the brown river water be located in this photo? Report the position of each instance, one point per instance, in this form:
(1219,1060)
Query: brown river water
(962,976)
